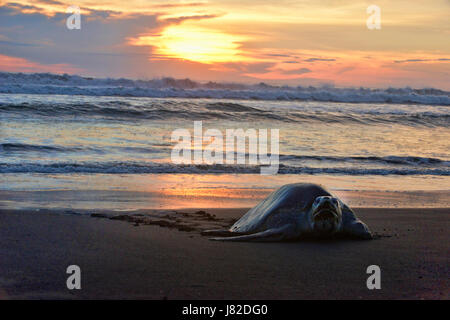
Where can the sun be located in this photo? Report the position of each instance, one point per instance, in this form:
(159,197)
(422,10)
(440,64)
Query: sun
(195,44)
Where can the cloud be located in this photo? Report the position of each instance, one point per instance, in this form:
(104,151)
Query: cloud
(100,45)
(24,8)
(54,2)
(14,43)
(318,59)
(345,69)
(178,20)
(421,60)
(297,71)
(14,64)
(181,4)
(278,55)
(279,74)
(258,67)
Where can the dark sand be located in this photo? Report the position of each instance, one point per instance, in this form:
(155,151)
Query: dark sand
(121,259)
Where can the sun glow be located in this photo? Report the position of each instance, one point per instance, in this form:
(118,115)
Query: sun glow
(195,44)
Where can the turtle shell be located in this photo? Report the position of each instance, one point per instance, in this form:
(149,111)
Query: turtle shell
(295,198)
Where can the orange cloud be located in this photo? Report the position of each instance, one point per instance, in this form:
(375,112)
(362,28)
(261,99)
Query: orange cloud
(15,64)
(116,8)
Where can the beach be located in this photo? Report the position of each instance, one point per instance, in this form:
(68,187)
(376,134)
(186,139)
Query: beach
(99,176)
(122,259)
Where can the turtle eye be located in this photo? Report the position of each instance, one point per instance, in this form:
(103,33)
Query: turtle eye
(317,200)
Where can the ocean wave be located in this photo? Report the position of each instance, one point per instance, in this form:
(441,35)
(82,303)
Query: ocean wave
(45,83)
(393,160)
(11,148)
(167,110)
(164,149)
(23,147)
(156,168)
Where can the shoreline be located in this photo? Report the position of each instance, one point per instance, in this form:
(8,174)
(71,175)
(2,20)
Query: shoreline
(201,195)
(121,260)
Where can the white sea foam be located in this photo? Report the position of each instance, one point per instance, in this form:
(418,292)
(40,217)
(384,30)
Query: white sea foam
(114,167)
(46,83)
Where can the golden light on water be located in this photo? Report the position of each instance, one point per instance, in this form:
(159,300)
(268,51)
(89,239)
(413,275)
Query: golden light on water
(215,193)
(195,44)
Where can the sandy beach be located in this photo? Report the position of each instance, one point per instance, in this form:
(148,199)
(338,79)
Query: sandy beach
(125,258)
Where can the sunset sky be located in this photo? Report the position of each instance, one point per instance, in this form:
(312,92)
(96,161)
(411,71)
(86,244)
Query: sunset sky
(280,42)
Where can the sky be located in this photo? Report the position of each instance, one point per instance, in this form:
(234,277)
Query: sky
(248,41)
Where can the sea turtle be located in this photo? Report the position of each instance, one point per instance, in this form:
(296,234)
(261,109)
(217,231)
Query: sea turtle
(295,211)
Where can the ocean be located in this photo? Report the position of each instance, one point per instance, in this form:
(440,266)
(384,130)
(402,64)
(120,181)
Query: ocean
(73,142)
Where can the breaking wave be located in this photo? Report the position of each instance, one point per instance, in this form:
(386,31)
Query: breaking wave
(12,148)
(147,168)
(199,110)
(393,160)
(46,83)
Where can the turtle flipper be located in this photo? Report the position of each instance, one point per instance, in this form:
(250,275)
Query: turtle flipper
(285,232)
(218,233)
(357,229)
(352,226)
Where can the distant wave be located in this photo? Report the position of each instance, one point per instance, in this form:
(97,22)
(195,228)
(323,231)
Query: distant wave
(14,147)
(146,167)
(166,110)
(46,83)
(11,148)
(393,160)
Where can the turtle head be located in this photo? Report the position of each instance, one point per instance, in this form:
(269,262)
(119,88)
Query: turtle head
(326,215)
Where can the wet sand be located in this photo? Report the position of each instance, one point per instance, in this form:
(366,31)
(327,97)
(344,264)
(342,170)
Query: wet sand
(135,255)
